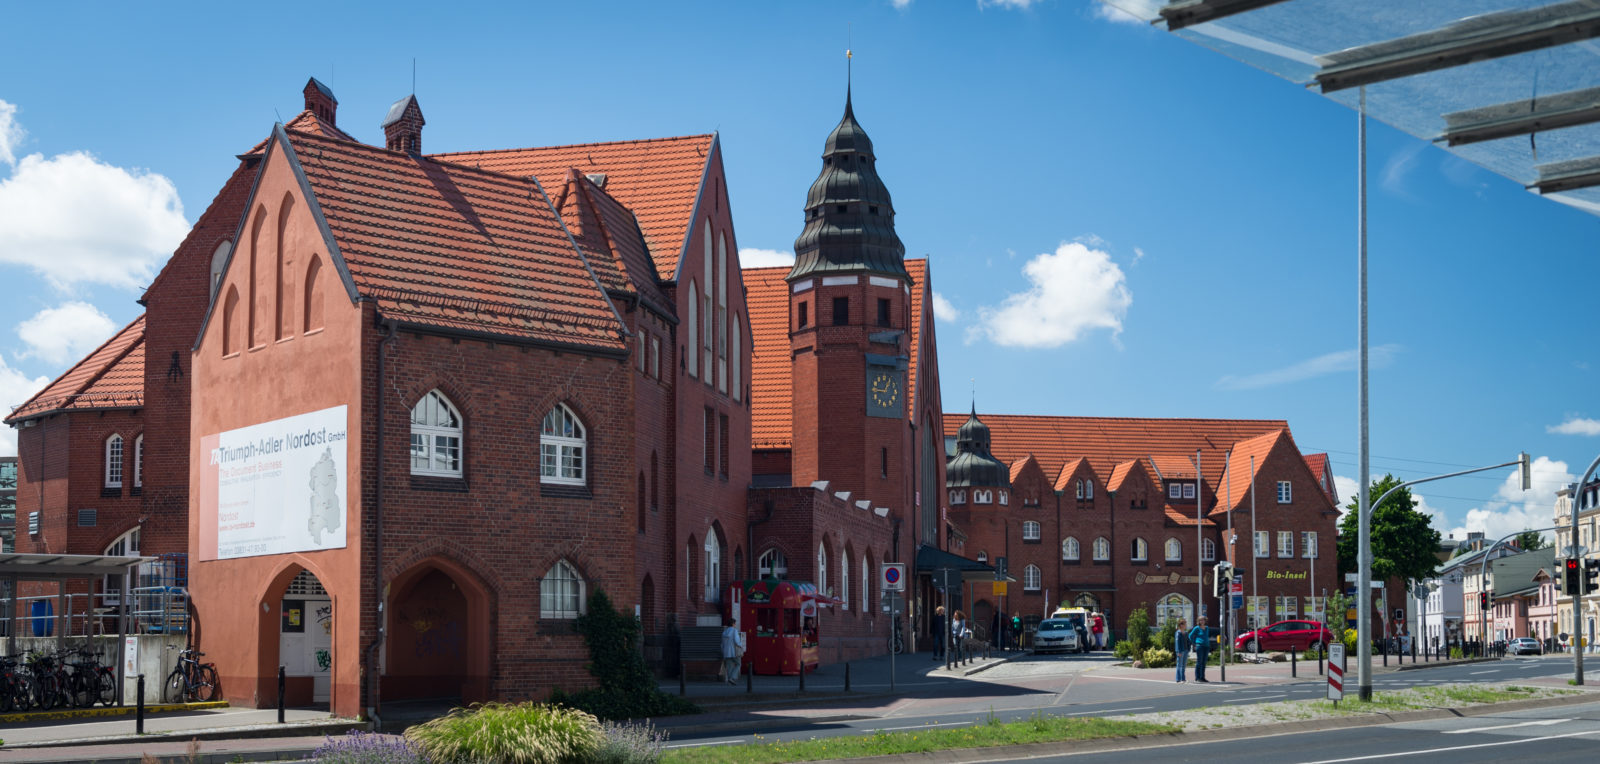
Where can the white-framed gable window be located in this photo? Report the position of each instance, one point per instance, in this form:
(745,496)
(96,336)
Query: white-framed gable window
(138,461)
(1069,549)
(114,461)
(982,497)
(1140,551)
(722,312)
(1031,579)
(561,592)
(1208,550)
(771,564)
(1102,549)
(1030,530)
(1285,492)
(1188,490)
(1174,550)
(713,568)
(958,497)
(436,436)
(126,544)
(734,352)
(562,447)
(1088,488)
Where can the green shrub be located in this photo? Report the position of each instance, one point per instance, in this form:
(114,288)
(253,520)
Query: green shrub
(1123,649)
(1139,628)
(631,744)
(1455,652)
(627,689)
(1164,636)
(1350,638)
(1156,657)
(500,733)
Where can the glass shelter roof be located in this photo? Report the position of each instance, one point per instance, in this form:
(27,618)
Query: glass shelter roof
(1510,85)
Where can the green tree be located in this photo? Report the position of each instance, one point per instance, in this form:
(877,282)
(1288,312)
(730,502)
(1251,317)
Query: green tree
(1404,542)
(1139,628)
(1529,541)
(1334,612)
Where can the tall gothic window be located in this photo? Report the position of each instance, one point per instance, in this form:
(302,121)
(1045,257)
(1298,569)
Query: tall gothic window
(562,447)
(435,437)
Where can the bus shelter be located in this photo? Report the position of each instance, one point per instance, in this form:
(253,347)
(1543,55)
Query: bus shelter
(61,568)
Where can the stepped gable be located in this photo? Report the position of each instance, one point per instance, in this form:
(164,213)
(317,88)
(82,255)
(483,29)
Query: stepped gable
(111,377)
(659,179)
(455,248)
(1108,441)
(771,384)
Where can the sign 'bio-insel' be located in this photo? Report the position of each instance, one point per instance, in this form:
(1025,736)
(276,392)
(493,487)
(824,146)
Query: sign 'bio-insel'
(275,487)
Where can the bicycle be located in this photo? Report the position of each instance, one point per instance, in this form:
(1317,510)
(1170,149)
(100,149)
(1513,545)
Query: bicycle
(93,681)
(190,680)
(897,640)
(16,686)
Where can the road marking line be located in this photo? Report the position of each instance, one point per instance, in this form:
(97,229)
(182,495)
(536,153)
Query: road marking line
(1252,700)
(697,745)
(1513,741)
(1127,678)
(1111,711)
(1536,723)
(935,725)
(1475,673)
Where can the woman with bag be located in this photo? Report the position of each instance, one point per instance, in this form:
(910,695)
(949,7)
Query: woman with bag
(1180,645)
(1200,640)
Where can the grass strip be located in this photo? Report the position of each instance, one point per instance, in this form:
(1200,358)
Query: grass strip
(988,732)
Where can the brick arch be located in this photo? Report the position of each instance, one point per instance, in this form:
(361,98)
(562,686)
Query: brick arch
(443,380)
(115,532)
(768,543)
(264,675)
(439,547)
(573,552)
(441,641)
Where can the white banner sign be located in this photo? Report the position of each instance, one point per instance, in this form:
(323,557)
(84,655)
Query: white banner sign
(275,487)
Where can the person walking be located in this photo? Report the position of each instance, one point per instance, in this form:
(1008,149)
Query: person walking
(959,631)
(941,635)
(1097,625)
(732,651)
(1200,641)
(1180,645)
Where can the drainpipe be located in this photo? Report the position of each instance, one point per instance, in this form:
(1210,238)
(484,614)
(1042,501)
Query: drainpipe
(750,540)
(374,671)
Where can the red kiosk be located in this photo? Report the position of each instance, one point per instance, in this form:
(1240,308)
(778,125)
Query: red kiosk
(779,619)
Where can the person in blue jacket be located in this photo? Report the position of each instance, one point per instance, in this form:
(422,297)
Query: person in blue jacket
(1180,645)
(1201,639)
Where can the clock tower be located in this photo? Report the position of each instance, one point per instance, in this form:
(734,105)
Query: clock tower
(849,311)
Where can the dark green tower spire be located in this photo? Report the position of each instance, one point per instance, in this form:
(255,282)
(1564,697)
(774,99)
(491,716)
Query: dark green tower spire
(849,216)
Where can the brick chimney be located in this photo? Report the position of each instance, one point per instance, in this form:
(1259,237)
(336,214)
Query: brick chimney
(402,128)
(320,101)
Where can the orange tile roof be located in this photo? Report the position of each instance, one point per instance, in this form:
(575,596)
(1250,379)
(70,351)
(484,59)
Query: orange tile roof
(1322,469)
(659,179)
(454,247)
(610,231)
(767,298)
(1180,518)
(1120,474)
(1067,471)
(1233,491)
(111,377)
(1019,465)
(1108,441)
(307,122)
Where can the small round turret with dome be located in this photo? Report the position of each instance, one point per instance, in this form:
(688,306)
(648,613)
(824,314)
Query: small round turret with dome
(973,475)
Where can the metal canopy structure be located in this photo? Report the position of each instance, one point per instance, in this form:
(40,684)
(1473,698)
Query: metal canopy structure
(59,567)
(1512,86)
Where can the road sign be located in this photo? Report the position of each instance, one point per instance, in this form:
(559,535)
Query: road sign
(1335,672)
(999,588)
(894,576)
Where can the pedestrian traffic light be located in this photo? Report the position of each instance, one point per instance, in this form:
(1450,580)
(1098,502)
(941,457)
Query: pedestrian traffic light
(1591,576)
(1572,576)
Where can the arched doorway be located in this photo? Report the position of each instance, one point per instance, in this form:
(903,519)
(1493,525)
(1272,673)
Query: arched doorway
(438,635)
(305,641)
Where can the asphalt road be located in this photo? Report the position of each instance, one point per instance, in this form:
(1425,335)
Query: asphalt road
(1090,686)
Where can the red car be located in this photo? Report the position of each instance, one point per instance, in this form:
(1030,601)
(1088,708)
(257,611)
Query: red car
(1284,635)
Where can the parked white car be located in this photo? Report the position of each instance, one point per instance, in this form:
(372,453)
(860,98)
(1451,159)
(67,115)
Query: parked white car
(1056,635)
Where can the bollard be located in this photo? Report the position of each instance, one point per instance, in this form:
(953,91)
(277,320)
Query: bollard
(280,694)
(1386,656)
(138,719)
(802,675)
(1294,663)
(1321,653)
(683,681)
(847,676)
(750,680)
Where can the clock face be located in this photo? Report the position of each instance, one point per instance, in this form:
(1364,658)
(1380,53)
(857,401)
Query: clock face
(883,389)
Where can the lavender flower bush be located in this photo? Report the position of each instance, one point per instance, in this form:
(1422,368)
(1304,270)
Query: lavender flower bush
(363,748)
(631,744)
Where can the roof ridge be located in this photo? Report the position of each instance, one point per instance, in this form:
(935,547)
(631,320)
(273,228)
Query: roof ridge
(625,142)
(528,180)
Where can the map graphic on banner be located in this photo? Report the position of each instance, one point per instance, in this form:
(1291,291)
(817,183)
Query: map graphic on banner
(275,487)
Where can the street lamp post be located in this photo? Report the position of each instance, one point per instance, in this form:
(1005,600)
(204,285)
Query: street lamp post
(1364,596)
(1483,583)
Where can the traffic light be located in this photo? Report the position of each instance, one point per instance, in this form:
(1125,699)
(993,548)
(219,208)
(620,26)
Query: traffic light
(1483,600)
(1591,576)
(1572,576)
(1222,575)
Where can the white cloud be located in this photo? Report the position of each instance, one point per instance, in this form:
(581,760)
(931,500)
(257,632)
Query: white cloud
(1512,509)
(1138,254)
(66,333)
(1017,4)
(11,133)
(15,389)
(943,310)
(900,4)
(72,218)
(1576,426)
(1074,290)
(750,257)
(1332,363)
(1345,488)
(1135,12)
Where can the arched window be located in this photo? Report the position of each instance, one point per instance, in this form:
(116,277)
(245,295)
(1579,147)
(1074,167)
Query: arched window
(1088,488)
(983,556)
(822,568)
(561,592)
(1173,607)
(1140,551)
(138,461)
(1174,550)
(1069,549)
(1002,498)
(1208,550)
(1030,530)
(722,314)
(738,384)
(1031,580)
(230,322)
(435,437)
(281,317)
(713,568)
(844,582)
(708,331)
(562,441)
(1102,549)
(958,497)
(982,497)
(311,307)
(866,584)
(126,544)
(639,502)
(771,564)
(219,260)
(694,330)
(114,461)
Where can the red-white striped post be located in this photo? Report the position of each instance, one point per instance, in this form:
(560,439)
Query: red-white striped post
(1335,673)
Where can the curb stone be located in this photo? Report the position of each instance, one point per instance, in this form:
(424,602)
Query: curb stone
(289,729)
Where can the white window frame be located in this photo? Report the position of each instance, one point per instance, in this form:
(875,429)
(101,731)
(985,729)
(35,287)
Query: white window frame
(1263,544)
(844,582)
(567,444)
(1102,549)
(562,592)
(1071,550)
(1208,550)
(712,568)
(1003,499)
(113,462)
(1285,492)
(1088,488)
(655,356)
(772,563)
(126,545)
(1030,530)
(1031,578)
(1188,490)
(1308,544)
(866,584)
(722,312)
(431,431)
(822,568)
(1174,491)
(735,357)
(982,556)
(982,497)
(694,330)
(1285,544)
(1174,550)
(958,497)
(1287,607)
(138,461)
(1079,485)
(1140,551)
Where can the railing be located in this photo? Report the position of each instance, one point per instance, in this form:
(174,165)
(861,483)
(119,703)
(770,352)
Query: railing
(158,605)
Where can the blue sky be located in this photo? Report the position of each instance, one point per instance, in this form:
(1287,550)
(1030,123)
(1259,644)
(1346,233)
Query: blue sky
(1120,223)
